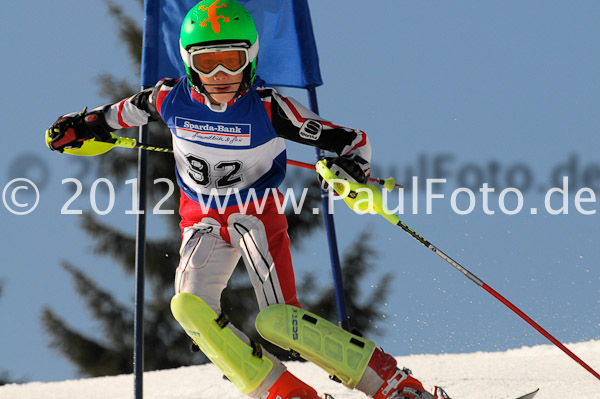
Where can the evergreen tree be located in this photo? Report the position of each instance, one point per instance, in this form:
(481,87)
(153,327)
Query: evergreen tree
(5,377)
(166,345)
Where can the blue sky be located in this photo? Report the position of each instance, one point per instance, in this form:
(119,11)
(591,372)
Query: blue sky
(503,91)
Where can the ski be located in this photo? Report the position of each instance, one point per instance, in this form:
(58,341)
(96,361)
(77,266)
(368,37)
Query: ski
(440,393)
(530,395)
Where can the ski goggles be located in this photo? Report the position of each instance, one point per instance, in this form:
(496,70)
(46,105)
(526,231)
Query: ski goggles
(230,59)
(209,62)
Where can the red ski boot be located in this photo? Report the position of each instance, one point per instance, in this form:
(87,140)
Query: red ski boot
(383,380)
(288,386)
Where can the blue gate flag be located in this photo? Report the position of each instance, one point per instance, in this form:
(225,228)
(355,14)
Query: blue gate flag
(287,53)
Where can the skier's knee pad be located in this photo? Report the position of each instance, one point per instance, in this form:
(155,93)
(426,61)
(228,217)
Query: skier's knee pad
(240,362)
(342,354)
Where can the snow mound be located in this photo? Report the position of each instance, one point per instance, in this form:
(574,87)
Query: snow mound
(501,375)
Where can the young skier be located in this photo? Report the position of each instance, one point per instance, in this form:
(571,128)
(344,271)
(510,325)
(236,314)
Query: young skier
(229,134)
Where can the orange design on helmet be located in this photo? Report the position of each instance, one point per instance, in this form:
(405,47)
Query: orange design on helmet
(213,18)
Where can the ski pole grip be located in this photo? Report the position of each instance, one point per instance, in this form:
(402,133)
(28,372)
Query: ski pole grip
(361,198)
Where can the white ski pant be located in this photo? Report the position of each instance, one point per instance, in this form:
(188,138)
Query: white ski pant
(210,252)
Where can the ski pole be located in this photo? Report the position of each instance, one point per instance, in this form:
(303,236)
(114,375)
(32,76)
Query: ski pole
(367,198)
(94,147)
(388,183)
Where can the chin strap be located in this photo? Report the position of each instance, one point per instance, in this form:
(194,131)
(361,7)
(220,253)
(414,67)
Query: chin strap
(244,87)
(245,84)
(238,91)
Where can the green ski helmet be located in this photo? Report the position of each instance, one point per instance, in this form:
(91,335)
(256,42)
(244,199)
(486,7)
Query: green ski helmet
(219,25)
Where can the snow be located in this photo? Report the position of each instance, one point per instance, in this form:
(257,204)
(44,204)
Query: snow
(501,375)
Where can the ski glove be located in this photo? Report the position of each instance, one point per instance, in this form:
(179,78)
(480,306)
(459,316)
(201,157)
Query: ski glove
(71,130)
(346,168)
